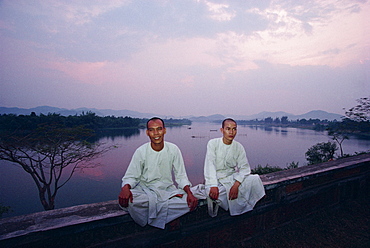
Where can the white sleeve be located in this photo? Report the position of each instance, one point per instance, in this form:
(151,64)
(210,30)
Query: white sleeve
(210,174)
(179,169)
(134,170)
(243,165)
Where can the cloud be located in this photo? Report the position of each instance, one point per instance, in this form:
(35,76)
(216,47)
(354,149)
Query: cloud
(185,56)
(220,12)
(287,40)
(74,12)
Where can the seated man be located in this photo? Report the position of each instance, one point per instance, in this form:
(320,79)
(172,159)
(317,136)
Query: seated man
(228,181)
(148,192)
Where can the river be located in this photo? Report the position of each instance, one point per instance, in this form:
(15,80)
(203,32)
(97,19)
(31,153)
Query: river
(274,146)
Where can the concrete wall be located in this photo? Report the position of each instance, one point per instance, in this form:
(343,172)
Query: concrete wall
(290,194)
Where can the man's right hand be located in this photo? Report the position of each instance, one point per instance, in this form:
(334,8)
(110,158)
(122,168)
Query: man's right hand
(213,193)
(125,196)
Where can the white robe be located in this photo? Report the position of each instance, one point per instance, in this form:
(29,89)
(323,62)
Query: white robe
(150,176)
(225,164)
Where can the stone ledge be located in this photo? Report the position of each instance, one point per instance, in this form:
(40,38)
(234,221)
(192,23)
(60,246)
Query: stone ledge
(276,179)
(58,218)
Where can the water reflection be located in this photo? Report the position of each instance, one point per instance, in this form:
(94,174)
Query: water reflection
(269,129)
(284,131)
(113,134)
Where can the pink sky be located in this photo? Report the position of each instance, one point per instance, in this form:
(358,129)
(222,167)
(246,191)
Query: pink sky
(188,57)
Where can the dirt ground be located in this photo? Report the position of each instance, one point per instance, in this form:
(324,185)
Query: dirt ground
(346,225)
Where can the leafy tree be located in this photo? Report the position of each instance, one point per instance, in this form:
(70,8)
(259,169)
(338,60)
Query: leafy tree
(292,165)
(321,152)
(88,120)
(50,154)
(260,170)
(277,120)
(284,120)
(356,121)
(302,121)
(360,112)
(268,120)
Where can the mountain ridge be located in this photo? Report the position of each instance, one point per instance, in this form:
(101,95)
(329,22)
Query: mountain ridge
(314,114)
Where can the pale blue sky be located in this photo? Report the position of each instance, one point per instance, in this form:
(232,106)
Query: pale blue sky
(185,57)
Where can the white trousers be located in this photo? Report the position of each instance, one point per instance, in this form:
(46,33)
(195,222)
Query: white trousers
(251,191)
(147,209)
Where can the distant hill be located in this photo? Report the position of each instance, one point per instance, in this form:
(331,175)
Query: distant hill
(66,112)
(319,114)
(207,118)
(315,114)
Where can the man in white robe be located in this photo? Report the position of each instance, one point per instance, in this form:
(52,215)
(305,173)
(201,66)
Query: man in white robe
(228,181)
(148,192)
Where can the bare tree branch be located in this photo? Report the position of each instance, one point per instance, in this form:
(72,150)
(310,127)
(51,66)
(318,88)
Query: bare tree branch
(46,152)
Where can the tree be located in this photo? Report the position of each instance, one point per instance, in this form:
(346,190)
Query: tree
(339,134)
(360,112)
(302,121)
(356,121)
(268,120)
(284,120)
(321,152)
(46,153)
